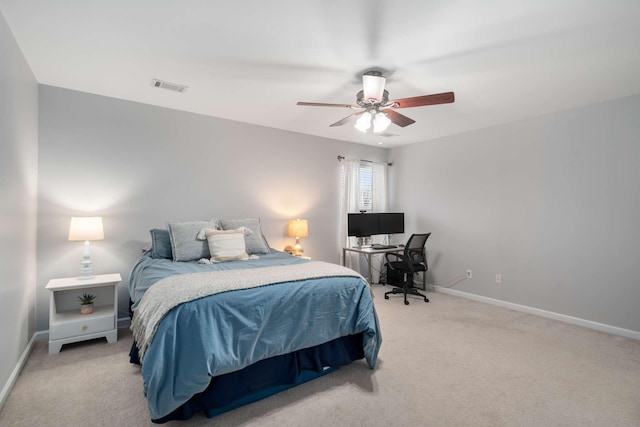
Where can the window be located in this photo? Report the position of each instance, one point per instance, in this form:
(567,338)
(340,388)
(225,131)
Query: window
(365,187)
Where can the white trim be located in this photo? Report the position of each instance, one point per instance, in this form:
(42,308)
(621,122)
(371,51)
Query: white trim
(6,390)
(542,313)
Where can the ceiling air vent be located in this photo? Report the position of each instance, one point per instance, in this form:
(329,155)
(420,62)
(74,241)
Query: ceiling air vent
(387,135)
(169,86)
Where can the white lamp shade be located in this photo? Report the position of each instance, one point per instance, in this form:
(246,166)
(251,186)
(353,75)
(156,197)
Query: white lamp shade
(298,228)
(86,228)
(373,87)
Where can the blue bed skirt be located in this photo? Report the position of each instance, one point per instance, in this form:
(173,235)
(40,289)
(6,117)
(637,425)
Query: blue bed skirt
(266,377)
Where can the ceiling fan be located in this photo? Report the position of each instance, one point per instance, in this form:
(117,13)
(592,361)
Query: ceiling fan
(375,107)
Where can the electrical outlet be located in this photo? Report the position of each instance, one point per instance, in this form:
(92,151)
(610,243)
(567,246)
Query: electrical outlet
(469,274)
(498,278)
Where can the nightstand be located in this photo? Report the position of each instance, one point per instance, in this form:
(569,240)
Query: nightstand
(67,325)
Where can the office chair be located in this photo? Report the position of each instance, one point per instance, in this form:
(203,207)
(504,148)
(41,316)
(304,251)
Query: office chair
(413,260)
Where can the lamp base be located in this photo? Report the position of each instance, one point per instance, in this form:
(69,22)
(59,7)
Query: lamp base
(297,250)
(85,272)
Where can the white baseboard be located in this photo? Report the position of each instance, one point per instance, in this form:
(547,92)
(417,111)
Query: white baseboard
(542,313)
(16,372)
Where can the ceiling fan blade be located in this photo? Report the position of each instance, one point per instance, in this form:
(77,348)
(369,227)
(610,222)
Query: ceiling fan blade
(322,104)
(399,119)
(418,101)
(346,119)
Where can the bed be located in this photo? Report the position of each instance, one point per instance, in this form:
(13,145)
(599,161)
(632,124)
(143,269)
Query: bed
(211,337)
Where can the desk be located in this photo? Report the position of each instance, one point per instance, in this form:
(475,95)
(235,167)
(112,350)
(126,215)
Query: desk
(368,252)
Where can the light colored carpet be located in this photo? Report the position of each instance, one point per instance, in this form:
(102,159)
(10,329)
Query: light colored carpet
(451,362)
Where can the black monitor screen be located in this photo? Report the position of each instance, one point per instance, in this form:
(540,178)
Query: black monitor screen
(362,225)
(370,224)
(391,223)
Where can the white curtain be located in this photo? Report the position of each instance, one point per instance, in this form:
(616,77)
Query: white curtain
(349,193)
(349,204)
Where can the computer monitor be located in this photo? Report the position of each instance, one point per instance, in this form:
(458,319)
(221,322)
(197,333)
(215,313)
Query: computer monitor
(390,223)
(362,224)
(370,224)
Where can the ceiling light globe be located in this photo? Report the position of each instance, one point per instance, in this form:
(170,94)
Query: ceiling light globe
(380,123)
(364,122)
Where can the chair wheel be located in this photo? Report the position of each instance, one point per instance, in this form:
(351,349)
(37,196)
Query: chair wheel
(386,297)
(426,299)
(406,303)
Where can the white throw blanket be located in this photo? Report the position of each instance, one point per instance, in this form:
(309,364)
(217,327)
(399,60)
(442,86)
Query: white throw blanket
(174,290)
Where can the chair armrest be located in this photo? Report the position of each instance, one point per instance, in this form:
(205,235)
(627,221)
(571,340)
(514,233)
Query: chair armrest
(398,256)
(405,260)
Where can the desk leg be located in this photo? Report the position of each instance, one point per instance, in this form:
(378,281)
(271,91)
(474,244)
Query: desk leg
(344,257)
(370,270)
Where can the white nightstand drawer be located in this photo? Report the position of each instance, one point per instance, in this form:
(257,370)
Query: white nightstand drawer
(81,327)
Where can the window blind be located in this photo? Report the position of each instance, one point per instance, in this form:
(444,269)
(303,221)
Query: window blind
(365,193)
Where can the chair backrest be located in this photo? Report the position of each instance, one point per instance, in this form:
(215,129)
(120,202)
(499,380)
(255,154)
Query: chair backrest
(414,249)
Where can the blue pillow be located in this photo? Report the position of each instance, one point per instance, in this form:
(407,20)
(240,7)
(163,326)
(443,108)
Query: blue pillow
(161,244)
(185,245)
(255,242)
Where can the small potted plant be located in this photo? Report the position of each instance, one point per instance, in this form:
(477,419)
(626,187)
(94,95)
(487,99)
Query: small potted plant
(86,303)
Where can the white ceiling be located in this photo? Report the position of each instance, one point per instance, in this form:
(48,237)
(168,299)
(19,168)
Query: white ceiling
(251,61)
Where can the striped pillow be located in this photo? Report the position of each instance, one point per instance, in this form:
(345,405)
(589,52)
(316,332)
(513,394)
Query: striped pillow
(226,245)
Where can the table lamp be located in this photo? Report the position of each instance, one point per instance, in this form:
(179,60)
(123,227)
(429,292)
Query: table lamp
(86,228)
(298,228)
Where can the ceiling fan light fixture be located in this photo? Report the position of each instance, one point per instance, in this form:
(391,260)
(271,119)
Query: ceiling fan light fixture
(364,122)
(380,122)
(375,107)
(373,85)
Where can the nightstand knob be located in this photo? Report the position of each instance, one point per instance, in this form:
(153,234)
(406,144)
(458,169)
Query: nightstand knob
(84,327)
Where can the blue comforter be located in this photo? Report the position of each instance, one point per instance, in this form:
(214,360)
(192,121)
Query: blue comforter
(148,271)
(226,332)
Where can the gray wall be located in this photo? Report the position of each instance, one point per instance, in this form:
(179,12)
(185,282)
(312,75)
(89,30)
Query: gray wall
(552,204)
(18,180)
(139,166)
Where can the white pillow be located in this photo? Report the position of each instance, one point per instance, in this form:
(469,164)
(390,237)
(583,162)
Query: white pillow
(226,245)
